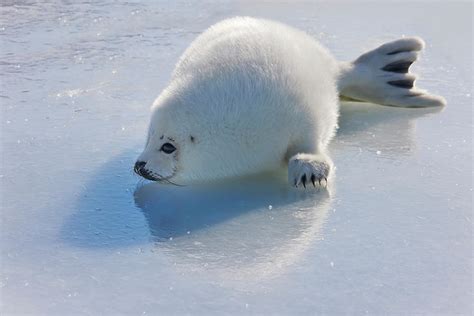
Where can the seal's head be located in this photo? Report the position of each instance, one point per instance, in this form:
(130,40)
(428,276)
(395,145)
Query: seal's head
(178,148)
(167,145)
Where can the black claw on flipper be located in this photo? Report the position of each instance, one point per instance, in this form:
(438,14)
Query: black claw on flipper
(303,180)
(313,180)
(400,66)
(404,83)
(296,183)
(400,51)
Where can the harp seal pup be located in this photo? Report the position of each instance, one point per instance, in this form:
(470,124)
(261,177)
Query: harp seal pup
(250,95)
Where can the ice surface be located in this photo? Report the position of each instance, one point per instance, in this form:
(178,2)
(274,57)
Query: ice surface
(80,234)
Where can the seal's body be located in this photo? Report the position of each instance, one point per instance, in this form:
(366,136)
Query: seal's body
(249,95)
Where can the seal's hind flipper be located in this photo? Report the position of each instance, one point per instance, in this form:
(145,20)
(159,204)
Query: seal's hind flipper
(382,76)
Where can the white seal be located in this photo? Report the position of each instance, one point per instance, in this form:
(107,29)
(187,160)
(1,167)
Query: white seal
(250,95)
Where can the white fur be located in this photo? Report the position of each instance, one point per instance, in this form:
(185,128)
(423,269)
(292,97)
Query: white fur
(246,96)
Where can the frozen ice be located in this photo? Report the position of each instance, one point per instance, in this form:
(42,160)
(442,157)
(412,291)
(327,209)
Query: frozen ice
(81,234)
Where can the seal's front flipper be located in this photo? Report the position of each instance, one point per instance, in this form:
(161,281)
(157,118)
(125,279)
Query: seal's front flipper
(308,169)
(382,76)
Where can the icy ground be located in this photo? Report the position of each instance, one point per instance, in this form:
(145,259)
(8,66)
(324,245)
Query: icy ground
(80,234)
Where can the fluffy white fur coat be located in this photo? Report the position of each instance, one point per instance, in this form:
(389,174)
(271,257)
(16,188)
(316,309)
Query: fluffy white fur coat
(249,95)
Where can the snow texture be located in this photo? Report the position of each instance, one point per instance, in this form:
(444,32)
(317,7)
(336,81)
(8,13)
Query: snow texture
(81,234)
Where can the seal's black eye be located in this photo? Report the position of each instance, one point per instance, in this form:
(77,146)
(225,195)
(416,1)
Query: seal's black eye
(168,148)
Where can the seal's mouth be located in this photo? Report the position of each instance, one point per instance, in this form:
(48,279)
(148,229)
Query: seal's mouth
(148,175)
(140,170)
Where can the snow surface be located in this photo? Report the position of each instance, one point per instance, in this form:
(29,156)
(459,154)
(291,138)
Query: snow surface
(80,234)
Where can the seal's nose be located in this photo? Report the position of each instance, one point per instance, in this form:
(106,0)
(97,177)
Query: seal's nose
(139,166)
(141,171)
